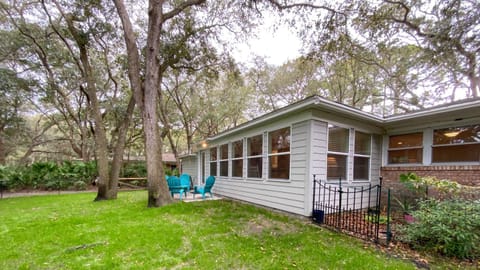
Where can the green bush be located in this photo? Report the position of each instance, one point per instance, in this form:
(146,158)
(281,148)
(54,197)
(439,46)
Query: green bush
(451,228)
(135,169)
(48,175)
(79,185)
(171,172)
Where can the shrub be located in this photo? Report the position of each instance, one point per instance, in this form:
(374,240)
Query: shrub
(135,169)
(48,175)
(171,172)
(79,185)
(451,228)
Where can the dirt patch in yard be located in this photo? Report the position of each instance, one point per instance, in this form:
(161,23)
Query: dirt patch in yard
(262,224)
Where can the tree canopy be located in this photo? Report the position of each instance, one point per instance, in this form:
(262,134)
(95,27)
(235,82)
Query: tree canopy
(89,79)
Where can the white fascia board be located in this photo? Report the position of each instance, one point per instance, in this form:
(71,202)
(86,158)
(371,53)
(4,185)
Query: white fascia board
(301,105)
(434,111)
(345,110)
(314,102)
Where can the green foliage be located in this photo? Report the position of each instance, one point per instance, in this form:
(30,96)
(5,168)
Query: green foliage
(413,182)
(171,172)
(405,204)
(134,169)
(79,185)
(450,227)
(49,175)
(420,185)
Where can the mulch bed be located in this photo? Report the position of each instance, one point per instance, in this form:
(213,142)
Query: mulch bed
(357,225)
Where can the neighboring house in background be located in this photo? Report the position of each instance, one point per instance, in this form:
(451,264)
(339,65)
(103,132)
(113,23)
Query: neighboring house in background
(271,160)
(168,159)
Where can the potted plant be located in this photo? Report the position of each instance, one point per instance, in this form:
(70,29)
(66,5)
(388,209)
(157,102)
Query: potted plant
(406,207)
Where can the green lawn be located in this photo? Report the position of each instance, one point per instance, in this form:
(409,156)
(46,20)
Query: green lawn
(72,232)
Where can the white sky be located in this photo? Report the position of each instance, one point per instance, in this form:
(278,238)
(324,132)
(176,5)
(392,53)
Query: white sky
(277,46)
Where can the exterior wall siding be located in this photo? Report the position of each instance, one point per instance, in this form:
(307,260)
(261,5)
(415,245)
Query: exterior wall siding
(319,149)
(376,159)
(287,195)
(190,166)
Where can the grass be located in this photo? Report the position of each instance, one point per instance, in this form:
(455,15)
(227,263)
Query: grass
(72,232)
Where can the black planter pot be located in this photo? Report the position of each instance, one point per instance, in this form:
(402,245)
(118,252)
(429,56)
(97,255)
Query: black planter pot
(317,216)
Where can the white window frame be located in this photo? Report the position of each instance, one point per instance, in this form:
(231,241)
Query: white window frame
(346,154)
(213,161)
(248,157)
(269,155)
(433,146)
(420,147)
(363,156)
(220,160)
(232,158)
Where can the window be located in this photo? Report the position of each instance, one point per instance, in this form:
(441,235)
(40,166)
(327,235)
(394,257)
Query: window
(407,148)
(213,161)
(279,154)
(254,156)
(458,144)
(337,152)
(361,159)
(224,160)
(237,159)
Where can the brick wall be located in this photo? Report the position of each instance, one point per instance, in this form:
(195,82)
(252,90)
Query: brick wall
(466,175)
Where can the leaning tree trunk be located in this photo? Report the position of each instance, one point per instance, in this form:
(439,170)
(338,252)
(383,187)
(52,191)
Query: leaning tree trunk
(119,148)
(100,136)
(2,151)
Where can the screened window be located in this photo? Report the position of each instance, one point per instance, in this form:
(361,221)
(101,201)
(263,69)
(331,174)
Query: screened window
(237,159)
(361,160)
(406,148)
(337,152)
(279,154)
(213,161)
(224,160)
(458,144)
(254,156)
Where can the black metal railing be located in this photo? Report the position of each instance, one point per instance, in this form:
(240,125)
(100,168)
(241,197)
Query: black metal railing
(351,209)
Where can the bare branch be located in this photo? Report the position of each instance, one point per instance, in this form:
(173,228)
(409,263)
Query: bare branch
(180,8)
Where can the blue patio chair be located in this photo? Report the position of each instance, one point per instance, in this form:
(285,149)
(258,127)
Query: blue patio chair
(175,186)
(185,182)
(207,188)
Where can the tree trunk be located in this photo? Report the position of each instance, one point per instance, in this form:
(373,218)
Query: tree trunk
(2,151)
(104,192)
(119,149)
(147,97)
(158,194)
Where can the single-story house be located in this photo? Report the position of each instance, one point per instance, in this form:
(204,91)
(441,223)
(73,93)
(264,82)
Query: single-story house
(271,160)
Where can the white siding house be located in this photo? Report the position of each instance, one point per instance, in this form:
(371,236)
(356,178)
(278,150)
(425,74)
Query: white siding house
(271,160)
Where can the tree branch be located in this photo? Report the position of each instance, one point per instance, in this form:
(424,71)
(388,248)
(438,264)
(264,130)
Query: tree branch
(180,8)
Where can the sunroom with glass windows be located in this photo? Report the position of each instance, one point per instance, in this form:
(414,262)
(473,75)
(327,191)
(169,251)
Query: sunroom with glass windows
(271,160)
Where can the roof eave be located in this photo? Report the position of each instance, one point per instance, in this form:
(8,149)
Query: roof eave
(434,111)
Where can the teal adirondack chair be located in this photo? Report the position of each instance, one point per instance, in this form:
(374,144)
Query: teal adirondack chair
(207,188)
(185,182)
(175,186)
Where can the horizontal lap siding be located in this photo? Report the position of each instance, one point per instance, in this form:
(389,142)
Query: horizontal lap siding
(319,153)
(352,198)
(376,159)
(279,195)
(319,149)
(189,166)
(286,195)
